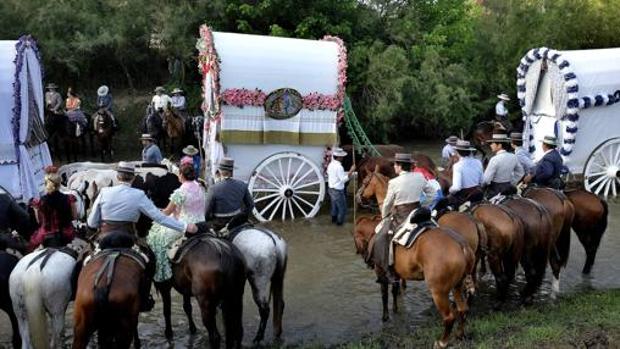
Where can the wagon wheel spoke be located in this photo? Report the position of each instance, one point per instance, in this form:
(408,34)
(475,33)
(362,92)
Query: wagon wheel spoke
(596,174)
(264,190)
(307,192)
(613,187)
(266,197)
(268,181)
(617,157)
(284,209)
(273,213)
(597,181)
(282,176)
(299,207)
(601,185)
(598,164)
(303,164)
(269,206)
(303,200)
(307,185)
(302,178)
(602,154)
(607,184)
(288,171)
(290,208)
(273,176)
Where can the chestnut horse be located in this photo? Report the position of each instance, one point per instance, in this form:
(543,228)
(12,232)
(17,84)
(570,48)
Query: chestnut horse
(561,212)
(174,125)
(442,259)
(212,270)
(107,300)
(589,223)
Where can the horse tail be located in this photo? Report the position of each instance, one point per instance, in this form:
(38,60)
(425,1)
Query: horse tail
(277,287)
(35,310)
(483,243)
(470,259)
(103,283)
(601,225)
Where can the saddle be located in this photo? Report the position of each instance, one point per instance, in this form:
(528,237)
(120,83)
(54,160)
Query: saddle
(181,246)
(417,222)
(122,243)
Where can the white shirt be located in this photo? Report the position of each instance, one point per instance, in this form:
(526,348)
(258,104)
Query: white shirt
(336,177)
(178,102)
(466,173)
(407,188)
(122,203)
(447,151)
(500,109)
(504,167)
(161,101)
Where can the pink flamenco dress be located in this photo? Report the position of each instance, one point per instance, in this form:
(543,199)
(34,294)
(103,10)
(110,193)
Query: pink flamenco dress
(54,214)
(189,200)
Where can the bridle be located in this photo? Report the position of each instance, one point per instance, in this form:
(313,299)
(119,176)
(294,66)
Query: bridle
(362,188)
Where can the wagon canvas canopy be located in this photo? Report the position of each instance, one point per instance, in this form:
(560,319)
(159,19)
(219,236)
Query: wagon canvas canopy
(23,151)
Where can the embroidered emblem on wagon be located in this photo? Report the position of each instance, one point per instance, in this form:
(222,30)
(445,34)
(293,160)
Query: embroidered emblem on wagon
(283,103)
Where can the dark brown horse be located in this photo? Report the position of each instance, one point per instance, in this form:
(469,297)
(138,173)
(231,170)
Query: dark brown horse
(104,131)
(107,300)
(174,125)
(505,241)
(213,271)
(561,212)
(538,239)
(589,223)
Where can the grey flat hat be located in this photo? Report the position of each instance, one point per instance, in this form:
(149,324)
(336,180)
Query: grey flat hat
(452,140)
(499,138)
(227,164)
(463,145)
(516,136)
(339,152)
(402,157)
(125,167)
(551,140)
(160,89)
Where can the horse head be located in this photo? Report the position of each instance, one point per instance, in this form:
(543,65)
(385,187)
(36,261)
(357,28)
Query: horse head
(374,185)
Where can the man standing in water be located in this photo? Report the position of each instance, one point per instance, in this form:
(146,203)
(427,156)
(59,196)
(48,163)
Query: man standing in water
(336,179)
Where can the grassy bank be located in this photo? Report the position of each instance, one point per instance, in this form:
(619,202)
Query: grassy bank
(585,320)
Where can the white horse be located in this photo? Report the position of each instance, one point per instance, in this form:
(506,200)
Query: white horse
(266,255)
(41,286)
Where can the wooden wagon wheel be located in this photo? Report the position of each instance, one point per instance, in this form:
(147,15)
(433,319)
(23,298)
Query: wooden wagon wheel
(602,170)
(286,185)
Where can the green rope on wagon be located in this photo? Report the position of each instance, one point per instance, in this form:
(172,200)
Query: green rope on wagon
(355,130)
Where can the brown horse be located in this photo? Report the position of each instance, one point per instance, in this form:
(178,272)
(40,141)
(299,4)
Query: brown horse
(538,239)
(213,271)
(104,131)
(439,257)
(561,212)
(505,240)
(589,223)
(107,300)
(174,125)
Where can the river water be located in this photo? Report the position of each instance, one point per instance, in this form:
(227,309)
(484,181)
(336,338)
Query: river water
(331,297)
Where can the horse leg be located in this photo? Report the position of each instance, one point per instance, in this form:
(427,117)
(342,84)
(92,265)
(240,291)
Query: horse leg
(395,294)
(501,281)
(462,308)
(277,292)
(58,326)
(442,302)
(82,329)
(16,339)
(260,294)
(127,332)
(164,289)
(208,308)
(384,300)
(590,241)
(232,311)
(187,307)
(136,339)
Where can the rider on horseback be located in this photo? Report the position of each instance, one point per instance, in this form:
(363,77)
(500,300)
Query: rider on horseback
(504,170)
(104,102)
(161,100)
(466,176)
(548,170)
(228,200)
(501,113)
(403,196)
(118,208)
(53,99)
(151,153)
(448,150)
(525,159)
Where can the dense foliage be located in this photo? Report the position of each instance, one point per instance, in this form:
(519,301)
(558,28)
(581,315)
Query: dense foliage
(416,67)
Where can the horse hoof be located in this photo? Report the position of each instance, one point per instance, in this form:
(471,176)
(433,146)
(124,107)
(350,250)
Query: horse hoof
(439,345)
(169,334)
(385,318)
(192,329)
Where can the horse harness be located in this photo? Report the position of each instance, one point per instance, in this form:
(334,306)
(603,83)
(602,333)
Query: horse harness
(183,245)
(74,249)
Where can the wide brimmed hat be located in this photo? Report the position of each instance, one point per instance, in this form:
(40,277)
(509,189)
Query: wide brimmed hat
(146,136)
(102,90)
(125,167)
(503,97)
(498,138)
(160,89)
(190,150)
(176,90)
(452,140)
(402,157)
(51,86)
(339,152)
(551,140)
(463,145)
(227,164)
(516,136)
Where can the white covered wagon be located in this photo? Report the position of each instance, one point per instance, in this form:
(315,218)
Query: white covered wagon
(23,151)
(575,95)
(273,104)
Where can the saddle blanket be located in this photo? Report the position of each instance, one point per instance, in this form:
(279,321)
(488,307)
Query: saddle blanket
(408,233)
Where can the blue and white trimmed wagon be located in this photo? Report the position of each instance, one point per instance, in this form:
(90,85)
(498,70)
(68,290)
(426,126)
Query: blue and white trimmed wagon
(273,105)
(575,96)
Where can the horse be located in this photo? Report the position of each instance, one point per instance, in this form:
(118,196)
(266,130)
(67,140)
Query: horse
(104,131)
(443,260)
(589,223)
(174,125)
(212,270)
(41,286)
(107,298)
(72,135)
(152,123)
(562,213)
(538,239)
(52,128)
(12,248)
